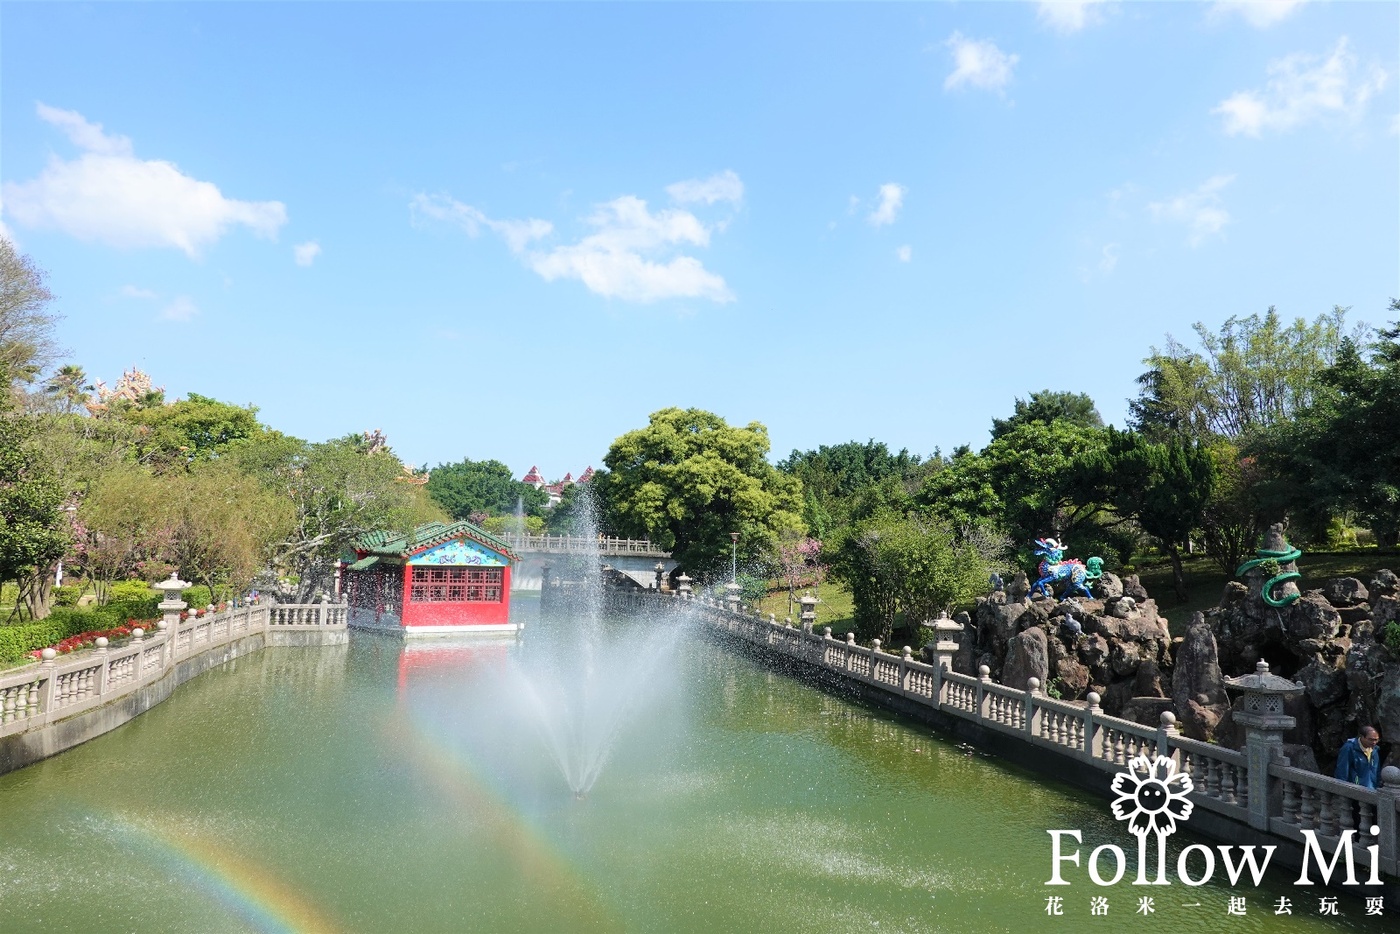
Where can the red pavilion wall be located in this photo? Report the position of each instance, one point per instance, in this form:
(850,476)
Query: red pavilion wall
(456,614)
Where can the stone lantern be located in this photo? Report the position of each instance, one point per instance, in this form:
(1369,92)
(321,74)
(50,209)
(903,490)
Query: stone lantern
(1261,714)
(809,611)
(731,596)
(171,604)
(683,586)
(945,645)
(660,575)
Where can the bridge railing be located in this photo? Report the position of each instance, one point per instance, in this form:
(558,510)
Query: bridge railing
(59,687)
(1242,786)
(584,544)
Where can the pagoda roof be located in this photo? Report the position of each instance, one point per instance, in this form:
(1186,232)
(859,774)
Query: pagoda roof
(586,475)
(533,476)
(387,544)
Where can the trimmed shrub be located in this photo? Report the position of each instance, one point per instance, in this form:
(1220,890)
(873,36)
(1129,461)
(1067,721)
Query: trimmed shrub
(18,641)
(67,595)
(198,596)
(125,591)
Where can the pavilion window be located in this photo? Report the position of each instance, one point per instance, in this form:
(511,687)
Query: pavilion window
(456,585)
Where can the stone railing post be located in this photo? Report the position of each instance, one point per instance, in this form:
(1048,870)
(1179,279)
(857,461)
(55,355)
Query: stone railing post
(1032,709)
(1262,716)
(99,686)
(731,596)
(984,677)
(944,648)
(47,689)
(1093,732)
(850,645)
(323,611)
(170,608)
(167,648)
(1166,736)
(808,615)
(1387,819)
(906,655)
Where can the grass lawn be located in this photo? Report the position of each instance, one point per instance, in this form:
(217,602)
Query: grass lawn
(834,610)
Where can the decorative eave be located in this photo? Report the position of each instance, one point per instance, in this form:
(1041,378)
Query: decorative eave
(382,544)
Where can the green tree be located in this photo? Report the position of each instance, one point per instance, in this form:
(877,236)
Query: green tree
(340,490)
(33,527)
(1049,406)
(1342,451)
(1025,481)
(69,387)
(192,429)
(26,324)
(907,568)
(1164,488)
(470,486)
(688,480)
(848,481)
(123,527)
(1254,373)
(222,525)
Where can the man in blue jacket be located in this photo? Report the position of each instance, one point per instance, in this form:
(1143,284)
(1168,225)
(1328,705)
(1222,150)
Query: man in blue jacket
(1359,762)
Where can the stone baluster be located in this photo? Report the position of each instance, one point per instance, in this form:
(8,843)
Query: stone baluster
(100,685)
(1290,802)
(1167,732)
(48,688)
(1032,712)
(906,655)
(1307,813)
(984,677)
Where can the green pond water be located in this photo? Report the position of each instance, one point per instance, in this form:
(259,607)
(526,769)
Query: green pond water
(376,788)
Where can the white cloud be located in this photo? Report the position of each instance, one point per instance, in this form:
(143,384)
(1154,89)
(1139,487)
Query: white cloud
(181,309)
(1069,16)
(1108,258)
(1302,88)
(1199,210)
(620,260)
(86,136)
(979,63)
(905,253)
(891,200)
(631,255)
(131,291)
(516,233)
(1261,14)
(305,253)
(108,195)
(725,186)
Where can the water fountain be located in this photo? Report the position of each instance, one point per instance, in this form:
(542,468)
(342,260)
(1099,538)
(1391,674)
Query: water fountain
(581,693)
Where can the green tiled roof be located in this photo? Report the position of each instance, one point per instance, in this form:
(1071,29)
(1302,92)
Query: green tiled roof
(396,545)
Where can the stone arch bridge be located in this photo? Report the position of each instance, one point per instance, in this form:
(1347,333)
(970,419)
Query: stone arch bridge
(635,557)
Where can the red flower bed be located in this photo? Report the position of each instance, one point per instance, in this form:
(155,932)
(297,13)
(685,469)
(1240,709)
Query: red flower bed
(85,640)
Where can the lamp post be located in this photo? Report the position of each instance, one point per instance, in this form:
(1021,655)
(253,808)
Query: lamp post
(734,557)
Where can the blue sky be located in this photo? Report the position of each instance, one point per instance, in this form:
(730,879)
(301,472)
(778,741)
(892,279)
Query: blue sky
(513,231)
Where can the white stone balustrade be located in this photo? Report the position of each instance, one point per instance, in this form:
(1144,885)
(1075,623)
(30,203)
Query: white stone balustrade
(1294,800)
(37,695)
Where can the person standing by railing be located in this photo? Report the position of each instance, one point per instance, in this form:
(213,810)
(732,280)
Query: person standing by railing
(1359,762)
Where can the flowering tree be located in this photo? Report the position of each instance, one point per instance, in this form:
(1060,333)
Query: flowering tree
(798,561)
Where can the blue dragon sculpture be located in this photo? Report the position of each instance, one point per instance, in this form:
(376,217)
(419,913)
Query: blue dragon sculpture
(1054,567)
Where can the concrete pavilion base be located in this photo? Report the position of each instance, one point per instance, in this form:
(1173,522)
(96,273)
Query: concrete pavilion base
(389,624)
